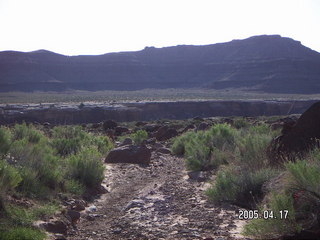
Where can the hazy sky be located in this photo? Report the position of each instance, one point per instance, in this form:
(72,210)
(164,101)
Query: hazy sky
(75,27)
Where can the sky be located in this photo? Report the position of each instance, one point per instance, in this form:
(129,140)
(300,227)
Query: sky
(90,27)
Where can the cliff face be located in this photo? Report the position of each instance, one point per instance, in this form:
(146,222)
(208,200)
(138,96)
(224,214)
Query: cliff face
(265,63)
(125,112)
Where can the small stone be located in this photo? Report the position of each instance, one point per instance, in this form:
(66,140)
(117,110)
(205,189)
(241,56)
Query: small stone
(92,208)
(117,231)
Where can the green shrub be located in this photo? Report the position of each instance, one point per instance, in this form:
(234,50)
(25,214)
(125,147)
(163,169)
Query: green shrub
(45,210)
(225,186)
(30,184)
(22,233)
(139,136)
(277,226)
(20,150)
(197,155)
(87,167)
(9,179)
(206,150)
(222,137)
(68,140)
(209,149)
(66,146)
(69,132)
(39,167)
(240,186)
(5,141)
(22,131)
(305,176)
(252,150)
(178,146)
(304,185)
(74,187)
(260,129)
(103,144)
(19,216)
(241,123)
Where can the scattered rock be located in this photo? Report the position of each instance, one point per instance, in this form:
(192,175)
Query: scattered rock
(73,216)
(202,126)
(151,127)
(134,204)
(46,124)
(129,154)
(165,133)
(109,124)
(127,141)
(120,130)
(140,124)
(110,133)
(228,121)
(163,150)
(95,125)
(190,126)
(92,208)
(58,236)
(158,145)
(55,226)
(79,205)
(151,141)
(90,217)
(199,176)
(117,231)
(197,118)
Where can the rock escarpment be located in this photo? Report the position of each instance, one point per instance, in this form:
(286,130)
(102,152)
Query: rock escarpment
(264,63)
(126,112)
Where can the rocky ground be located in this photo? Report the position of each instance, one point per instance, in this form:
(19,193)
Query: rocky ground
(158,201)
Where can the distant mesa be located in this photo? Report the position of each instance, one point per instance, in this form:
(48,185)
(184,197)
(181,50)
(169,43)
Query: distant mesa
(267,63)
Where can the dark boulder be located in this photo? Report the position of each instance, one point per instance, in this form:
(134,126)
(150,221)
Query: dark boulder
(120,130)
(110,133)
(165,133)
(203,126)
(197,118)
(140,124)
(297,138)
(276,126)
(228,121)
(73,216)
(129,154)
(151,127)
(127,141)
(287,124)
(55,226)
(187,128)
(109,124)
(199,176)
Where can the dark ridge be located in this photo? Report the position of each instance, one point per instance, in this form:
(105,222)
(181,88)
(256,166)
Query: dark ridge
(267,63)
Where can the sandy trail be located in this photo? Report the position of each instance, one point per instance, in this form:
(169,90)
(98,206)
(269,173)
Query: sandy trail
(155,202)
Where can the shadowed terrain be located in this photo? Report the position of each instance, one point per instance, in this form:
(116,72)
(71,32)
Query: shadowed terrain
(264,63)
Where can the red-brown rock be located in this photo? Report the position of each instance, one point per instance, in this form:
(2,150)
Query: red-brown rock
(129,154)
(165,133)
(120,130)
(55,226)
